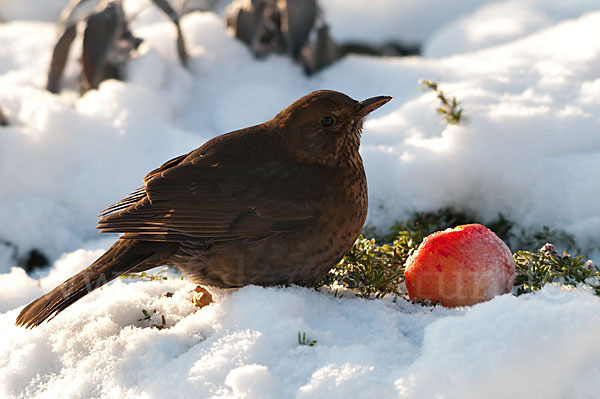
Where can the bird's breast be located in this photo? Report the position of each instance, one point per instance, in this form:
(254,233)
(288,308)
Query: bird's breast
(345,203)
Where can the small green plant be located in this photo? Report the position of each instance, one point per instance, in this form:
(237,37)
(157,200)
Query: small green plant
(371,269)
(450,109)
(302,340)
(146,314)
(546,265)
(426,302)
(148,317)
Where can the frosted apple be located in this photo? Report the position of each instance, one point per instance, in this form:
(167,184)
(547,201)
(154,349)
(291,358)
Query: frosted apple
(461,266)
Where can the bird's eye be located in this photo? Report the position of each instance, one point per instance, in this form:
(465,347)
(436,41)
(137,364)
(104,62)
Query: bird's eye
(327,121)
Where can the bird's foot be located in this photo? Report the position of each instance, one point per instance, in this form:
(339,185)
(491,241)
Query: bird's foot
(201,297)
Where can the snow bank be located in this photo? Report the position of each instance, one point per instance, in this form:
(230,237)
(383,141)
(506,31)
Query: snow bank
(534,346)
(500,22)
(246,345)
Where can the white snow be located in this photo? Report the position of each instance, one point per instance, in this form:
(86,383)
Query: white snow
(526,74)
(245,345)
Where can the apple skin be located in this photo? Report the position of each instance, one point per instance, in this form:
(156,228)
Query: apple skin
(460,267)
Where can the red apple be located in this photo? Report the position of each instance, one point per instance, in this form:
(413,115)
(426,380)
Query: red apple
(460,267)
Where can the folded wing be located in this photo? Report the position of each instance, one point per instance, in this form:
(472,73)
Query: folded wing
(194,197)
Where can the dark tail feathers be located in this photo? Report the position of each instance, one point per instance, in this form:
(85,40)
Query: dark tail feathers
(122,257)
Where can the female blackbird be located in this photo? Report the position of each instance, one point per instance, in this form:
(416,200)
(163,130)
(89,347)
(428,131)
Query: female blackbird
(276,203)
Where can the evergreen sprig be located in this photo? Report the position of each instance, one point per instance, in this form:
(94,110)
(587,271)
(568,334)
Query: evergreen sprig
(374,270)
(546,265)
(449,108)
(302,340)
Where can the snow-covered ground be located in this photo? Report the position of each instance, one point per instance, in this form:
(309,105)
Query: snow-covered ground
(527,75)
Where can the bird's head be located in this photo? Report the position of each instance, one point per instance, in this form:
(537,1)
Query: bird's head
(324,126)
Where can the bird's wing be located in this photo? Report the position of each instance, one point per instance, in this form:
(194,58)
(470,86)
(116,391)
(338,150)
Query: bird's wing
(195,197)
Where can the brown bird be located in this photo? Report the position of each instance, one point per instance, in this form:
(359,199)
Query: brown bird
(276,203)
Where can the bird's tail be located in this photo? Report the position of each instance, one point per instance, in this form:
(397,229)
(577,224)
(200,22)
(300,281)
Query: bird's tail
(122,257)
